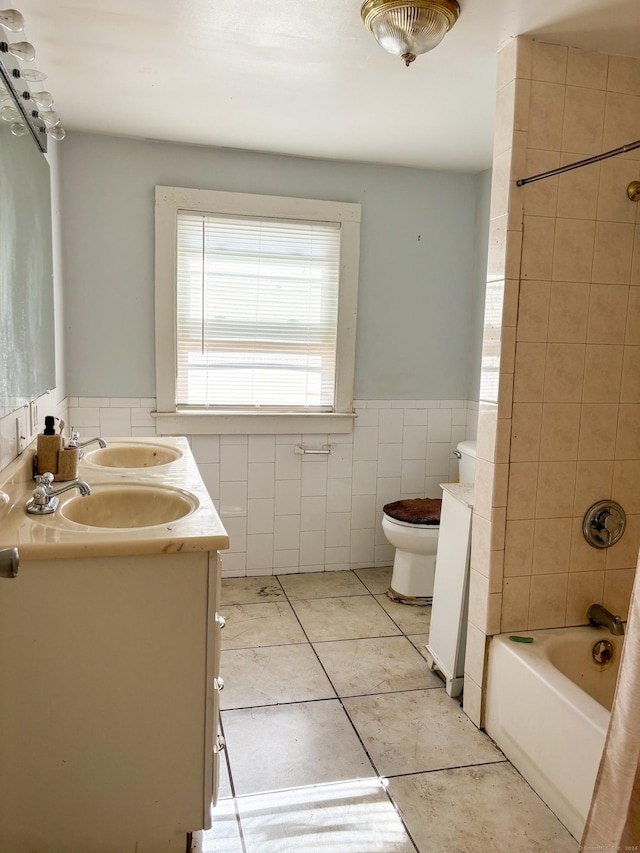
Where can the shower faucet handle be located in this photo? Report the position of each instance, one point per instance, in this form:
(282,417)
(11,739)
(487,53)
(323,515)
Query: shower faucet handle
(604,523)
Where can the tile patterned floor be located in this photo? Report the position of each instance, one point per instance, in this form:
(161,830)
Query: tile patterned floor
(341,740)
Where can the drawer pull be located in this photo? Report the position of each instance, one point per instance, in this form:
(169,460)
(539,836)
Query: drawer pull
(219,684)
(221,743)
(221,621)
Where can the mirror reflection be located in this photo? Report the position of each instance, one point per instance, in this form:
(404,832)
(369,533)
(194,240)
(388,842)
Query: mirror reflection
(27,342)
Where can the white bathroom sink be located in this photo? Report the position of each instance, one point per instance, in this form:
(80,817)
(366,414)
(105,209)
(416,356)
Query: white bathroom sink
(128,506)
(132,455)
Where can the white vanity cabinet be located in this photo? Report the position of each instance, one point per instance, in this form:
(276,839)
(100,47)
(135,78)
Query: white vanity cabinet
(109,706)
(109,682)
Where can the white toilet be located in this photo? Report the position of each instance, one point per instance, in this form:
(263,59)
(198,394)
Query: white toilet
(412,527)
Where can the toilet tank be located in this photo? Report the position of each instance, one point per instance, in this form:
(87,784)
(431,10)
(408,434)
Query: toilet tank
(467,464)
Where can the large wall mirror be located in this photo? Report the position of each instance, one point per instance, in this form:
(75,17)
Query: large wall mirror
(27,331)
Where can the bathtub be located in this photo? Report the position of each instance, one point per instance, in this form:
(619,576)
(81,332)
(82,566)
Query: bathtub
(547,708)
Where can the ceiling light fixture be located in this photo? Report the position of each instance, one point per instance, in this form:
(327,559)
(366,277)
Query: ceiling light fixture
(26,110)
(407,28)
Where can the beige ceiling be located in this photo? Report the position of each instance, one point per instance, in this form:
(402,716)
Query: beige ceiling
(299,77)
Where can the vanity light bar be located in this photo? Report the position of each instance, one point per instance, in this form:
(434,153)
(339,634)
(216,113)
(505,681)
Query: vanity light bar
(35,113)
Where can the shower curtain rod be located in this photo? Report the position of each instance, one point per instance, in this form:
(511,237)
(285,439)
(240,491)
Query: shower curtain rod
(614,153)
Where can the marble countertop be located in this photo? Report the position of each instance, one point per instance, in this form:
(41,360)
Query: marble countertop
(51,537)
(462,492)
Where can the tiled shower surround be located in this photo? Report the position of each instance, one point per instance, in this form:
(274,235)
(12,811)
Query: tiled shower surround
(559,419)
(287,512)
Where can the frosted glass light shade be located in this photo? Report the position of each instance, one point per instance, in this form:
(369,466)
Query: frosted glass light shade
(10,114)
(43,100)
(49,117)
(22,50)
(31,75)
(408,28)
(11,20)
(58,133)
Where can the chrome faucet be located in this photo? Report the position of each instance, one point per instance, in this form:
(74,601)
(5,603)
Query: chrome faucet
(75,441)
(598,615)
(44,500)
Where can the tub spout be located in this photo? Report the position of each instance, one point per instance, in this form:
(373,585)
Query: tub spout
(598,615)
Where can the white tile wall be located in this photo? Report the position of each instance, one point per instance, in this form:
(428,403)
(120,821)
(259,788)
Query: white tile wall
(290,513)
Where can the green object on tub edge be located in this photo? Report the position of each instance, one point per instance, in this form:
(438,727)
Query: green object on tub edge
(515,639)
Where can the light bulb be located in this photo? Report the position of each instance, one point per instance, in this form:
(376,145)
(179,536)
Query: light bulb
(44,100)
(22,50)
(33,76)
(19,129)
(58,133)
(12,20)
(10,114)
(49,117)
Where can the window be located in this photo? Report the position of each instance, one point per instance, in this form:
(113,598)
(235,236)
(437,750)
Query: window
(255,312)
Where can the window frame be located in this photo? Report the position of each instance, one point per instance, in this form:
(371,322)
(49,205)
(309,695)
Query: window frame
(171,420)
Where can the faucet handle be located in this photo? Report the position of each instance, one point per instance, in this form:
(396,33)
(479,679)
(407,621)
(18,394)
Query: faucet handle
(45,479)
(604,523)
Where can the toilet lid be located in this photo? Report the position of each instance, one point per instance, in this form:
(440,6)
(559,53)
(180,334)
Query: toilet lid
(415,510)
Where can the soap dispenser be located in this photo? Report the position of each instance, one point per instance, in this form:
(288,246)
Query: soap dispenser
(49,445)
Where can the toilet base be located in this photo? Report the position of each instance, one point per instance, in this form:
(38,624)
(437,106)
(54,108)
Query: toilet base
(409,599)
(413,577)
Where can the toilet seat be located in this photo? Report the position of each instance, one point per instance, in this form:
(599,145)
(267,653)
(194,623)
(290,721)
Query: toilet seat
(412,524)
(415,512)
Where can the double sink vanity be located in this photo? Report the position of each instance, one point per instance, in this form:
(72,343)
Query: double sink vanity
(109,655)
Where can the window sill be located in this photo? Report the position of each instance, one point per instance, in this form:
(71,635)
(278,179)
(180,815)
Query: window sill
(263,423)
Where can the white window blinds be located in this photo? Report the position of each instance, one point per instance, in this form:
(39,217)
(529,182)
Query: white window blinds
(256,313)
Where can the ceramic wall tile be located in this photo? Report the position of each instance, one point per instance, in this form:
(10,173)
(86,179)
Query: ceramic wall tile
(583,120)
(620,123)
(624,488)
(549,62)
(624,74)
(617,591)
(587,68)
(613,202)
(522,490)
(555,489)
(607,313)
(475,653)
(525,432)
(551,546)
(628,437)
(632,330)
(560,431)
(472,701)
(564,373)
(515,603)
(584,589)
(540,197)
(533,311)
(593,483)
(548,601)
(537,247)
(546,115)
(613,249)
(598,426)
(573,249)
(630,388)
(578,190)
(603,370)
